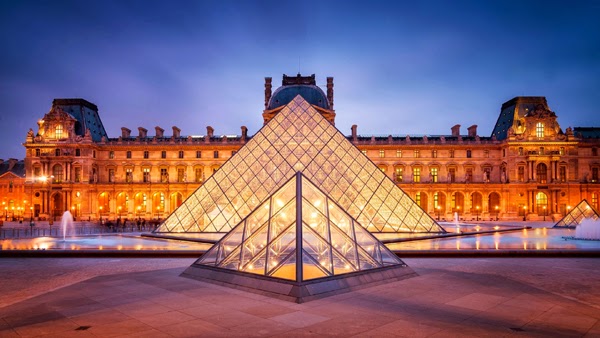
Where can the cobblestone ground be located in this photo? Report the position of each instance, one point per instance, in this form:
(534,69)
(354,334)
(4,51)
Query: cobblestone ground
(537,297)
(24,278)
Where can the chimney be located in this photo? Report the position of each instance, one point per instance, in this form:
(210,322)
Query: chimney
(125,132)
(143,132)
(330,92)
(159,131)
(268,87)
(472,130)
(244,133)
(210,131)
(456,130)
(354,136)
(176,132)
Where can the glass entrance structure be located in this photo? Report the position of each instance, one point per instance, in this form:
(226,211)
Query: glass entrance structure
(299,139)
(582,211)
(299,245)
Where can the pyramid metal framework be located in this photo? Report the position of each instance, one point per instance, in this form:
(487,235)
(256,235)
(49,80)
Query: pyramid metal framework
(582,211)
(299,234)
(298,245)
(299,139)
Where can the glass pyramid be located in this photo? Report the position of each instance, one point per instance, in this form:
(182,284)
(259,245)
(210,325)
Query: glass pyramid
(582,211)
(299,139)
(299,234)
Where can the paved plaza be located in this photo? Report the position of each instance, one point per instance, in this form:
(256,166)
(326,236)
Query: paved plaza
(116,297)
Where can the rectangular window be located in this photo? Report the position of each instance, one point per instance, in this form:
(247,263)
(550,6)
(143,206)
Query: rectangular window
(164,175)
(111,175)
(562,174)
(594,151)
(382,153)
(434,154)
(146,176)
(418,198)
(128,154)
(78,152)
(451,154)
(398,153)
(486,153)
(128,175)
(38,152)
(539,129)
(521,174)
(562,151)
(417,153)
(436,201)
(77,177)
(452,175)
(468,153)
(180,154)
(398,172)
(180,175)
(56,152)
(93,153)
(216,154)
(163,154)
(198,154)
(434,175)
(198,175)
(146,154)
(416,175)
(594,174)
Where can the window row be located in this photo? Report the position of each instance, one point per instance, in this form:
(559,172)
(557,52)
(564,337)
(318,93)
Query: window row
(434,153)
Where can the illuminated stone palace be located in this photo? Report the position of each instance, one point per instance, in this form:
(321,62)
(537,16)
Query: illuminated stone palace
(528,167)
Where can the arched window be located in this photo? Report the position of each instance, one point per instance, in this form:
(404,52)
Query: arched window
(541,200)
(57,172)
(58,132)
(542,173)
(539,129)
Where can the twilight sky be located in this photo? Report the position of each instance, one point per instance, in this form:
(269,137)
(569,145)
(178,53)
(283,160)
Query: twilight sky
(399,67)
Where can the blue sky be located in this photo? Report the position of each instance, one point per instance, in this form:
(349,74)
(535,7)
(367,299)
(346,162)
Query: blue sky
(399,67)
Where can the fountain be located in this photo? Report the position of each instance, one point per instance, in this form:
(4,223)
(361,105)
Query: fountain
(588,229)
(66,222)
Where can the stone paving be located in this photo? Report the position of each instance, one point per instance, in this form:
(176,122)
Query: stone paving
(451,297)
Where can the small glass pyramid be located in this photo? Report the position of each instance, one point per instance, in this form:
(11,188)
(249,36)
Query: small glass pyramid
(299,234)
(582,211)
(298,138)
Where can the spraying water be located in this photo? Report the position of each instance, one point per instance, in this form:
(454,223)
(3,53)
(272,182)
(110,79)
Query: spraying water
(66,222)
(588,229)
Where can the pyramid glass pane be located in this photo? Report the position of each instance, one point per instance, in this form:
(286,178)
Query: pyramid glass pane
(299,138)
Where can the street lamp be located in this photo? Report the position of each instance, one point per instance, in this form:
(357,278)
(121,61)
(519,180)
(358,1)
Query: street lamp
(438,211)
(524,212)
(120,207)
(544,213)
(568,209)
(477,213)
(497,213)
(139,211)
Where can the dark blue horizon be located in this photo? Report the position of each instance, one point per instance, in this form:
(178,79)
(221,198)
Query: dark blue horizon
(400,68)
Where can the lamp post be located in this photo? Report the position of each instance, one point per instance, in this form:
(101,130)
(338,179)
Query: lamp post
(438,211)
(477,213)
(100,214)
(139,211)
(497,213)
(119,208)
(544,213)
(458,211)
(568,209)
(524,212)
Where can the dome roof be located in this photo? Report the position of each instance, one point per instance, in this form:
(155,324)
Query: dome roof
(311,93)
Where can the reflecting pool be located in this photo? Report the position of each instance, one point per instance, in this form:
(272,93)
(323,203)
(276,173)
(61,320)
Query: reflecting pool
(104,242)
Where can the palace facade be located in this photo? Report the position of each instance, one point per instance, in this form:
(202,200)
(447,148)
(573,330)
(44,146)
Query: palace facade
(528,168)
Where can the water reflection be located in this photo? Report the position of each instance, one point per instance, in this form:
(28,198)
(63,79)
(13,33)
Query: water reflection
(108,242)
(526,239)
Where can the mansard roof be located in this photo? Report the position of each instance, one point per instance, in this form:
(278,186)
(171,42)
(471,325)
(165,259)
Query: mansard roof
(86,114)
(514,109)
